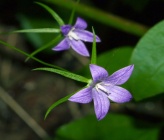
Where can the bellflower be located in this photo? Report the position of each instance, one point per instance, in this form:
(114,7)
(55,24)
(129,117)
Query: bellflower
(104,87)
(74,37)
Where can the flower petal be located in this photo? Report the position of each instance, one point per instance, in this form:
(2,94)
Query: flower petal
(98,73)
(79,47)
(80,24)
(83,96)
(118,94)
(120,76)
(63,45)
(85,35)
(65,29)
(101,104)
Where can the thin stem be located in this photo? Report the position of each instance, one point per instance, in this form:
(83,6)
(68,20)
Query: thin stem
(32,57)
(23,114)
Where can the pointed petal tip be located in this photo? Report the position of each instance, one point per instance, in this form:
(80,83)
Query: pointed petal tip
(54,49)
(131,67)
(80,23)
(128,98)
(63,45)
(83,96)
(87,55)
(101,117)
(120,76)
(101,104)
(98,39)
(79,47)
(119,94)
(98,73)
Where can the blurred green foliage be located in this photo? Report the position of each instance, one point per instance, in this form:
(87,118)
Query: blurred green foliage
(114,127)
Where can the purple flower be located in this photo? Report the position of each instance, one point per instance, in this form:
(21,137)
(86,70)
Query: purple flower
(74,35)
(104,87)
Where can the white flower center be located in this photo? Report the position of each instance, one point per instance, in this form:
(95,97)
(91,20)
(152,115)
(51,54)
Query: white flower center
(72,35)
(100,87)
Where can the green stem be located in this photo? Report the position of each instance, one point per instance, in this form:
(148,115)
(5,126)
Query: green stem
(43,47)
(103,17)
(26,54)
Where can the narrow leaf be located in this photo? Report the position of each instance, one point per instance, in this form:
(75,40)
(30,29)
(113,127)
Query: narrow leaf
(53,13)
(56,104)
(59,102)
(66,74)
(49,44)
(42,30)
(26,54)
(94,53)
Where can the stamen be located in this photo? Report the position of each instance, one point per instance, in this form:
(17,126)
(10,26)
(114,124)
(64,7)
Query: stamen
(72,35)
(100,87)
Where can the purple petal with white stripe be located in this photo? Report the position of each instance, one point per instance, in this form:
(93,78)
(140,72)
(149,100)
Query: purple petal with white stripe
(101,104)
(85,35)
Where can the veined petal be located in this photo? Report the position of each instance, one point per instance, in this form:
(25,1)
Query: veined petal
(85,35)
(65,29)
(79,47)
(63,45)
(83,96)
(120,76)
(80,24)
(101,104)
(118,94)
(98,73)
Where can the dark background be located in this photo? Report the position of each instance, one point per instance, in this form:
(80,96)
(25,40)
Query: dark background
(36,91)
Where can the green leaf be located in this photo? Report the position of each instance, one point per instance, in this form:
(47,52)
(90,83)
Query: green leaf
(26,54)
(62,100)
(115,59)
(94,53)
(148,57)
(66,74)
(43,30)
(53,13)
(49,44)
(114,127)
